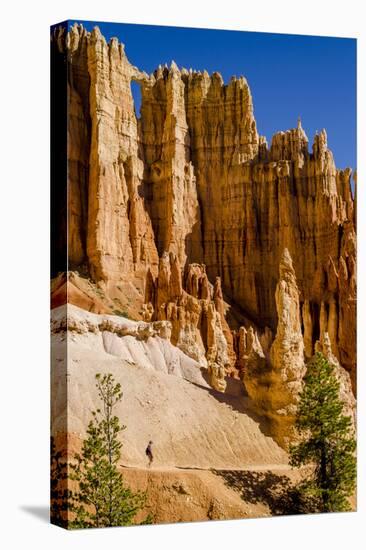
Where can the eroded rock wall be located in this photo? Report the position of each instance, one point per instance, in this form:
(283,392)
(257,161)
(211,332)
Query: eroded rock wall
(192,177)
(195,309)
(274,378)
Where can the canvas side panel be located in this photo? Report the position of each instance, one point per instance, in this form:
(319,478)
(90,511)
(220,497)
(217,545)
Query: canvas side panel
(59,265)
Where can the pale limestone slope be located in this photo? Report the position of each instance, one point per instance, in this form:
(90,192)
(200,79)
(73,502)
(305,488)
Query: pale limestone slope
(191,424)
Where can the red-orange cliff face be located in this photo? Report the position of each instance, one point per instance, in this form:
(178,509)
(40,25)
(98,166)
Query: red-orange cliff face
(191,180)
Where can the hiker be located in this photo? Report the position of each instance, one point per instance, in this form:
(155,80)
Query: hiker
(149,453)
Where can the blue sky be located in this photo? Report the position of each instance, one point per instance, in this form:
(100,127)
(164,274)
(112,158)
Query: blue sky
(289,75)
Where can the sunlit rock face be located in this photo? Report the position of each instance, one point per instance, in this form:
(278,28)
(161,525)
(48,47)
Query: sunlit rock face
(166,203)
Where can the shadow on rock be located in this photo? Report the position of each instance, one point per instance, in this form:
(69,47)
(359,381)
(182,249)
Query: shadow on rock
(237,398)
(275,491)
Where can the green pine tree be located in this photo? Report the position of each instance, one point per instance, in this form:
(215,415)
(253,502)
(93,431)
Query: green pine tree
(327,440)
(102,499)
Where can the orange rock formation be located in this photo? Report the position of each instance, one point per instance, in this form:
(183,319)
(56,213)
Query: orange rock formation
(189,205)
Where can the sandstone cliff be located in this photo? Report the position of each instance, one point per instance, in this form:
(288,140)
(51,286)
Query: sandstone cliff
(273,373)
(275,382)
(183,213)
